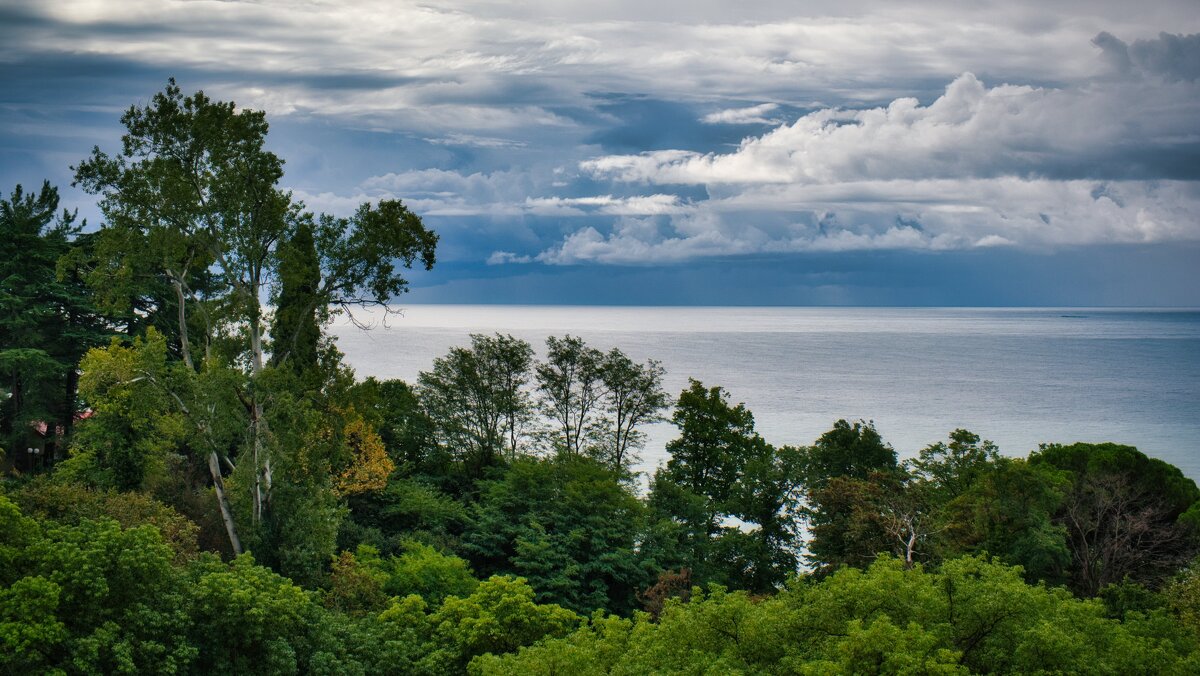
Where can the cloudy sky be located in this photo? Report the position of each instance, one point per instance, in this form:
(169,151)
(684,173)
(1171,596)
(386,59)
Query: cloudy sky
(849,152)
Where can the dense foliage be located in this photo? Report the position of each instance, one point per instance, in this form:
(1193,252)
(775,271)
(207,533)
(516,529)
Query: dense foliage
(212,490)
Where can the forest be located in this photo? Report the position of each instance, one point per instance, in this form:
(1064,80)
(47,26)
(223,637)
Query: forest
(195,482)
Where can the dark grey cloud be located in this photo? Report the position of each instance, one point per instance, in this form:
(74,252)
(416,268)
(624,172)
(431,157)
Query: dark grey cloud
(506,125)
(642,123)
(1171,56)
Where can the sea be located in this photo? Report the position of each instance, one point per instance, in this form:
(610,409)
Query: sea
(1017,376)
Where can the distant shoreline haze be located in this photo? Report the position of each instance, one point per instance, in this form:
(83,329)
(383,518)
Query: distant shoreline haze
(1017,376)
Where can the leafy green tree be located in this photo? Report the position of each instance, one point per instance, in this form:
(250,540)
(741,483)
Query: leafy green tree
(848,450)
(248,619)
(408,433)
(596,648)
(568,525)
(430,574)
(46,319)
(1008,511)
(1125,514)
(299,312)
(633,397)
(148,407)
(70,504)
(720,468)
(194,189)
(1182,594)
(136,423)
(860,502)
(499,617)
(420,570)
(596,402)
(90,597)
(31,633)
(715,442)
(405,510)
(680,532)
(768,495)
(971,616)
(847,522)
(476,399)
(571,383)
(952,468)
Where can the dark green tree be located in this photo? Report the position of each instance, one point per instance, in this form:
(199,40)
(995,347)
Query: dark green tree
(951,469)
(47,321)
(1125,514)
(852,450)
(299,312)
(567,524)
(1008,511)
(715,442)
(721,468)
(847,521)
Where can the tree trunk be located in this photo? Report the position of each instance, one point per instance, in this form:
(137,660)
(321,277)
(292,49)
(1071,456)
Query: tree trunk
(262,459)
(184,346)
(214,468)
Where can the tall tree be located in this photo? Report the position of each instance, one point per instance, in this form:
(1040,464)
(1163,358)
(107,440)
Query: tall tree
(299,313)
(715,442)
(951,469)
(633,397)
(721,468)
(571,383)
(194,189)
(567,524)
(46,319)
(477,400)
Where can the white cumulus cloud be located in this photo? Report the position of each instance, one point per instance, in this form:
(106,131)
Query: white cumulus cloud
(970,130)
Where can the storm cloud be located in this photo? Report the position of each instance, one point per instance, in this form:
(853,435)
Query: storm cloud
(557,136)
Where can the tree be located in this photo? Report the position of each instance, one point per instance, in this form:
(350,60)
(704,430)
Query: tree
(633,396)
(767,497)
(477,401)
(566,524)
(715,442)
(296,325)
(719,468)
(407,432)
(90,597)
(367,465)
(571,382)
(248,619)
(596,401)
(1008,511)
(847,522)
(953,468)
(46,319)
(136,424)
(848,450)
(194,190)
(1125,514)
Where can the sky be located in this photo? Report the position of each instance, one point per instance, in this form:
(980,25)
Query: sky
(754,153)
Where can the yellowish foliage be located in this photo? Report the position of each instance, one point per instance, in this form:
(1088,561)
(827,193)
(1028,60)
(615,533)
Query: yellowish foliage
(369,465)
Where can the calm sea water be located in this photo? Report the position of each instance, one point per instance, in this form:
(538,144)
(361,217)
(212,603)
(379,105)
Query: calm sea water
(1016,376)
